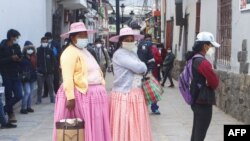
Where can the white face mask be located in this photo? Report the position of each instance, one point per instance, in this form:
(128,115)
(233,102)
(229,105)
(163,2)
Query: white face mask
(16,41)
(211,52)
(44,45)
(98,45)
(169,51)
(129,46)
(30,51)
(82,43)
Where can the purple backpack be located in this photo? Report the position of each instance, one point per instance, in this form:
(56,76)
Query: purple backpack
(185,79)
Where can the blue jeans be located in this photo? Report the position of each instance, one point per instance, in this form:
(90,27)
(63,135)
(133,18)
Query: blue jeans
(28,88)
(154,107)
(13,91)
(3,120)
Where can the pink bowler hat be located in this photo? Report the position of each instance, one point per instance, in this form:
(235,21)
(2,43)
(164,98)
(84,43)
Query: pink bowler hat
(77,27)
(124,32)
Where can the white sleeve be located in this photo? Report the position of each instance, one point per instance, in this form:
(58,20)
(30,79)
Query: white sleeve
(126,61)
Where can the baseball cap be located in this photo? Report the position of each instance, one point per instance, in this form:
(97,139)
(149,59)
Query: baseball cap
(207,36)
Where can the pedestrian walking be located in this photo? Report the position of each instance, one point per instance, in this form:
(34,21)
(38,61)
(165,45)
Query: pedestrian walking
(29,76)
(205,82)
(83,92)
(168,65)
(158,61)
(146,55)
(11,57)
(45,70)
(128,115)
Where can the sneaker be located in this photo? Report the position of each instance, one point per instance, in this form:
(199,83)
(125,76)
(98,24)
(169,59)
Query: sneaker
(171,86)
(23,111)
(38,102)
(156,112)
(8,125)
(30,110)
(12,118)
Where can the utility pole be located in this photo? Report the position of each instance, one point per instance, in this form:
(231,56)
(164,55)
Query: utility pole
(117,5)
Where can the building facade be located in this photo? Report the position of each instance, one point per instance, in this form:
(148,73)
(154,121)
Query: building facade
(228,21)
(31,19)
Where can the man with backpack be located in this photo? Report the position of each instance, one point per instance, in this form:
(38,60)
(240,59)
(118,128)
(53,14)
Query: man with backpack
(145,54)
(200,93)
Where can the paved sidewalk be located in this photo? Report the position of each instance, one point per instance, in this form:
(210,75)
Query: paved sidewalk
(174,123)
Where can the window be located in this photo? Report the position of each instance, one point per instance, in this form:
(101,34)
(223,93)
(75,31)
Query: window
(224,34)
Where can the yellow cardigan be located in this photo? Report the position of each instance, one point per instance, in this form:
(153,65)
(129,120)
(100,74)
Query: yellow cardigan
(74,72)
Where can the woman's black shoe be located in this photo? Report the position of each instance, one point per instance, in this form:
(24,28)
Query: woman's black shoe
(23,111)
(30,110)
(8,125)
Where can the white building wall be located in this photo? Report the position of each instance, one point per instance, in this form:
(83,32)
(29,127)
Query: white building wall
(169,14)
(26,16)
(189,7)
(240,31)
(208,17)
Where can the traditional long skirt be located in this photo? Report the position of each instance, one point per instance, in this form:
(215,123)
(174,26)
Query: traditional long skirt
(129,118)
(92,107)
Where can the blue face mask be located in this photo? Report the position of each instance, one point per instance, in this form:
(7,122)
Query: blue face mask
(148,43)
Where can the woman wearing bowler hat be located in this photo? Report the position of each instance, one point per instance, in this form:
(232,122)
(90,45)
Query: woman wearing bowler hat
(129,117)
(82,94)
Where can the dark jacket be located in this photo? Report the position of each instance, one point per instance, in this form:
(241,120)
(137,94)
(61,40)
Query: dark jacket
(7,65)
(203,76)
(91,50)
(28,71)
(168,62)
(145,55)
(45,61)
(56,48)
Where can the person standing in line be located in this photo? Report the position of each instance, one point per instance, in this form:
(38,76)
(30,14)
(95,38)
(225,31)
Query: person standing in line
(102,56)
(11,58)
(203,75)
(29,64)
(55,46)
(45,70)
(168,65)
(83,89)
(3,121)
(129,116)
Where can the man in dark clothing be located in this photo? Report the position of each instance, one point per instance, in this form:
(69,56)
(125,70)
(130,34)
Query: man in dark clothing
(45,70)
(55,47)
(168,65)
(91,49)
(10,56)
(102,56)
(145,54)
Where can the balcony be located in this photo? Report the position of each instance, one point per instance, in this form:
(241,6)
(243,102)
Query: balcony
(74,4)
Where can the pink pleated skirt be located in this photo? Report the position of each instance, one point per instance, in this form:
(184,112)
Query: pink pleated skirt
(129,118)
(92,107)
